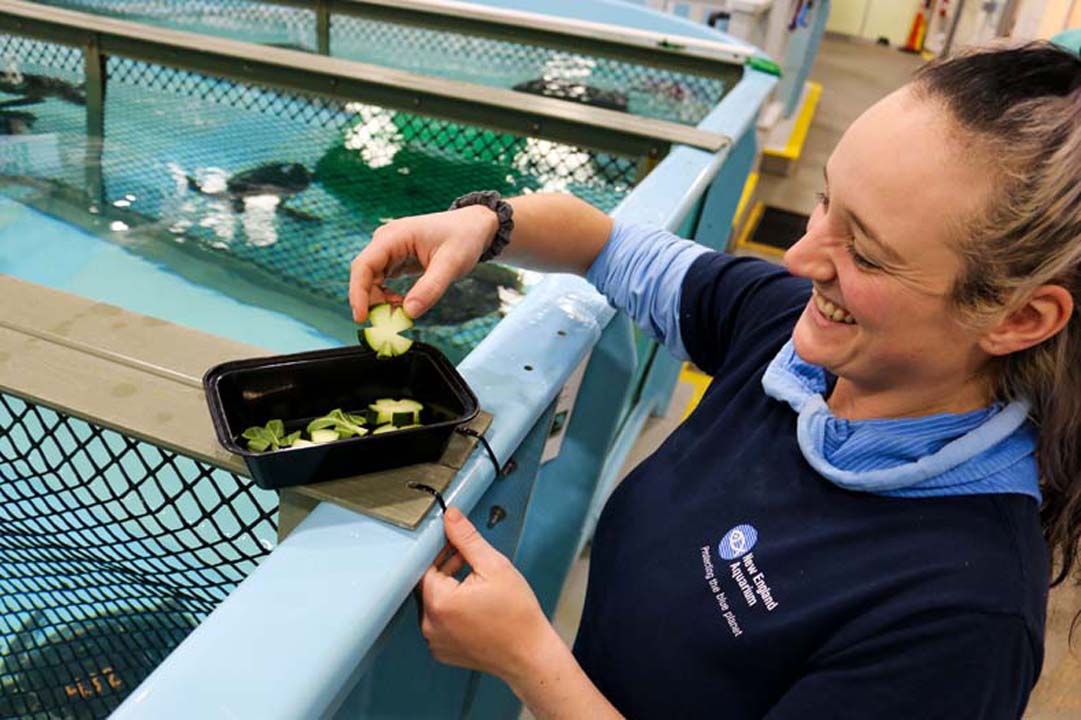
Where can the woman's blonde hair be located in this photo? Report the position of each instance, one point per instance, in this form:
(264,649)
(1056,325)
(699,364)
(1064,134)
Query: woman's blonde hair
(1021,106)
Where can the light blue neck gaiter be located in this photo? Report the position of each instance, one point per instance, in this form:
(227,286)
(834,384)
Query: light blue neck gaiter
(991,450)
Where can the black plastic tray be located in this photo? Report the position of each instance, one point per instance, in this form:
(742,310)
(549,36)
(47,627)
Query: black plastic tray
(300,387)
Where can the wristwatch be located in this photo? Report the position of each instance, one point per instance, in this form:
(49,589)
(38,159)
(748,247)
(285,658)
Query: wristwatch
(491,200)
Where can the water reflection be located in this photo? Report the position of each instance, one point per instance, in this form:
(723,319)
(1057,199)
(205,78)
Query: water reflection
(286,186)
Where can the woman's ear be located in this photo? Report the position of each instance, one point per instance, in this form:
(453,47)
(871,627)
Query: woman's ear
(1044,314)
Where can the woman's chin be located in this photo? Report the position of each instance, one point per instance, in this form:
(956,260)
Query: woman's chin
(811,347)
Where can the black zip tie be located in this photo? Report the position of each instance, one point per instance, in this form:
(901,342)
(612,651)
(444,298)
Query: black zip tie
(431,491)
(500,471)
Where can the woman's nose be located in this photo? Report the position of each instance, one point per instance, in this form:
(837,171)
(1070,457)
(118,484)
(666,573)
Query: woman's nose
(810,258)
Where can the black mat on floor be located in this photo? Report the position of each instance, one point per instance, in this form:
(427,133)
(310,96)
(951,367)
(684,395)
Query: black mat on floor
(779,229)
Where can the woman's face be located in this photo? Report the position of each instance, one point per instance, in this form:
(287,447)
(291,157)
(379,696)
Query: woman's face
(899,189)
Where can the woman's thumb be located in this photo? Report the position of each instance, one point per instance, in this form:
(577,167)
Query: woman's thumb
(471,544)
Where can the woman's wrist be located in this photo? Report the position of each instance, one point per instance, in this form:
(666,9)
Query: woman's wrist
(487,220)
(538,658)
(552,685)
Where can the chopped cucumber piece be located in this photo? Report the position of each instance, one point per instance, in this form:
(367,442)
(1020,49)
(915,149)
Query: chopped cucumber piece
(391,428)
(389,413)
(383,335)
(402,419)
(324,436)
(398,412)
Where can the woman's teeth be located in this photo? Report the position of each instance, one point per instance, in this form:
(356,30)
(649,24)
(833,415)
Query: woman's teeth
(831,311)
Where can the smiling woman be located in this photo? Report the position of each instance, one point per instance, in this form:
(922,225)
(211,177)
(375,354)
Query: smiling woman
(861,516)
(899,350)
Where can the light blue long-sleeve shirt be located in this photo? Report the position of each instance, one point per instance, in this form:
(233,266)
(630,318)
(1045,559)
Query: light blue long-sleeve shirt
(641,272)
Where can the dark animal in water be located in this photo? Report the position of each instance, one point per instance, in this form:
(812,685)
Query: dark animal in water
(35,88)
(31,90)
(283,180)
(290,46)
(14,122)
(575,91)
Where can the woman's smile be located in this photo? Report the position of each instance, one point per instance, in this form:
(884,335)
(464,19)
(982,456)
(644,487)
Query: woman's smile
(829,312)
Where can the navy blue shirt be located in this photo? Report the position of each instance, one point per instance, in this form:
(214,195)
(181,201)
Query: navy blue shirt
(729,580)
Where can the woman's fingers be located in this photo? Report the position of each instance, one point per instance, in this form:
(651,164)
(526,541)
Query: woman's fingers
(405,266)
(471,545)
(360,283)
(367,269)
(444,247)
(453,565)
(434,585)
(443,269)
(392,246)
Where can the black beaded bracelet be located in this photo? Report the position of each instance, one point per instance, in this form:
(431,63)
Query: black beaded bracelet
(491,200)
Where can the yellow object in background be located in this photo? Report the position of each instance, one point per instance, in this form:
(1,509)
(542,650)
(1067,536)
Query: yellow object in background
(697,380)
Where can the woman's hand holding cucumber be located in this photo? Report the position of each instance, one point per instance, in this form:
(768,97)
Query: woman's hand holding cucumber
(445,246)
(552,232)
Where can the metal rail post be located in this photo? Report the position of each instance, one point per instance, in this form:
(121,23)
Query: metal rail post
(95,76)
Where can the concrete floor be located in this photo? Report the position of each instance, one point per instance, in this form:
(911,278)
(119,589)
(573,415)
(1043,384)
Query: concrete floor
(853,75)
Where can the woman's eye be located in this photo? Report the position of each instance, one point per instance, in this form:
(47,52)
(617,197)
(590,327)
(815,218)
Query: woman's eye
(859,259)
(823,200)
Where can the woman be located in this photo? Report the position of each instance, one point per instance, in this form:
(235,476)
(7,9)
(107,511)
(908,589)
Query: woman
(856,520)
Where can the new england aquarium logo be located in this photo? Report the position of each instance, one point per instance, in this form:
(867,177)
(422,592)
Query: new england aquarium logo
(737,542)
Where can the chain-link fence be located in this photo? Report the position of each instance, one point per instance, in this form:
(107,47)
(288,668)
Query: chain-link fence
(111,551)
(288,185)
(641,90)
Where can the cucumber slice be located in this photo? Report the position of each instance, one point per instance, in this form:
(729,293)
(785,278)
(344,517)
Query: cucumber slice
(387,408)
(383,335)
(391,428)
(380,314)
(402,419)
(324,436)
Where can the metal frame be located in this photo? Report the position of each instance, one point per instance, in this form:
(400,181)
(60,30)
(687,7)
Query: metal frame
(671,52)
(502,110)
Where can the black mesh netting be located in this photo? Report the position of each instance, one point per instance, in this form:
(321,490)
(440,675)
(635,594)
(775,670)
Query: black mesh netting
(643,90)
(111,551)
(291,187)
